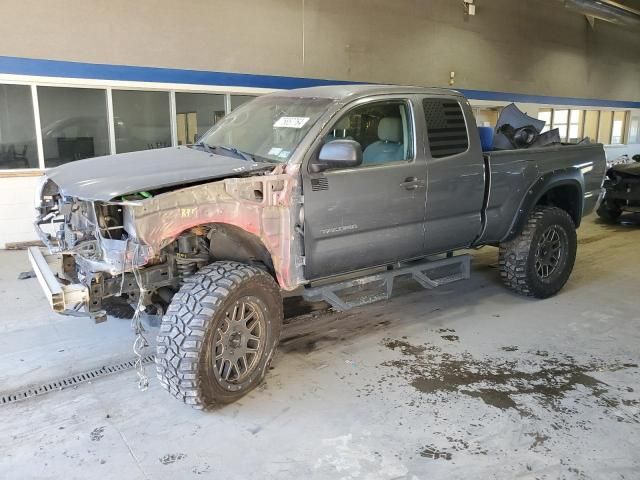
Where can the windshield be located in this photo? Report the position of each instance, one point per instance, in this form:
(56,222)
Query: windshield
(267,128)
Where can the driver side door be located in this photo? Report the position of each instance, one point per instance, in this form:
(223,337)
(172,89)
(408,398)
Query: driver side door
(372,214)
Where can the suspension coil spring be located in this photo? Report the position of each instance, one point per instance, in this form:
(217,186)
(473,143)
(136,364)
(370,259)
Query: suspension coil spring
(186,264)
(192,254)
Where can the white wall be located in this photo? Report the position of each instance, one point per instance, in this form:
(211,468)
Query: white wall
(17,209)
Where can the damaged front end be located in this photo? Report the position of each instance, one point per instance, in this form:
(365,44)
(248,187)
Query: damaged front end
(94,253)
(141,247)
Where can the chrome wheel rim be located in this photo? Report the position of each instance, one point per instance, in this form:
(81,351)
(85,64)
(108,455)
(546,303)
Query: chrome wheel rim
(549,252)
(239,342)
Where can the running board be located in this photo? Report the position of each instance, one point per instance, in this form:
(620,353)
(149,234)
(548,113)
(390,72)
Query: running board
(424,273)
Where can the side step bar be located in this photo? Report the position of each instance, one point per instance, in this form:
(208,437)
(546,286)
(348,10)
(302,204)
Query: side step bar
(425,273)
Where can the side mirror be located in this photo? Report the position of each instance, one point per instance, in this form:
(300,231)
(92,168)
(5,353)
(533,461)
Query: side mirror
(338,154)
(636,158)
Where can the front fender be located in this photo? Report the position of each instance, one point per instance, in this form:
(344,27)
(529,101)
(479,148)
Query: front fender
(263,206)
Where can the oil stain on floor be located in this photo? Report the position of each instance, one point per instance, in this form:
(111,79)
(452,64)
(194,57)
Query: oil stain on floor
(499,382)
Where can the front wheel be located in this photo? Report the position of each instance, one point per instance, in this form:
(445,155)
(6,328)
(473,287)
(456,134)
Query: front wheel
(540,259)
(219,334)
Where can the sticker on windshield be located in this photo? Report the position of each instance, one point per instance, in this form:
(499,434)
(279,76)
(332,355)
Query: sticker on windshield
(291,122)
(274,151)
(284,154)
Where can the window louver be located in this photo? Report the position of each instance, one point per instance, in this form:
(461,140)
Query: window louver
(446,128)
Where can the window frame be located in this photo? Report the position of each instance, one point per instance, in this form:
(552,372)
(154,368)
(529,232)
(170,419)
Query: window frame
(582,123)
(565,124)
(40,126)
(109,86)
(169,98)
(600,124)
(579,123)
(634,121)
(624,132)
(28,171)
(181,95)
(340,114)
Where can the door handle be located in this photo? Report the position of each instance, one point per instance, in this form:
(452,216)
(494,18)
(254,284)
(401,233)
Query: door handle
(411,183)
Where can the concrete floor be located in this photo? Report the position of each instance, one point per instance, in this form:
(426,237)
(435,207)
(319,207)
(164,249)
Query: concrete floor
(469,381)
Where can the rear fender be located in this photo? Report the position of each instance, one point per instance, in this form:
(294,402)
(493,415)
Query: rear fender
(569,180)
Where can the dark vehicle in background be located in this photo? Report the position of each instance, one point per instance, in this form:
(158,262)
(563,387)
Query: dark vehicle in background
(303,192)
(621,190)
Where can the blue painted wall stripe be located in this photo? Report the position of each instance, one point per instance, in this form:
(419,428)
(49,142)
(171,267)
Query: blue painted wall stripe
(526,98)
(98,71)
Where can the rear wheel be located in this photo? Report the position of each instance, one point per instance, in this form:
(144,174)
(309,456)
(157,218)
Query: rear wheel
(219,334)
(540,259)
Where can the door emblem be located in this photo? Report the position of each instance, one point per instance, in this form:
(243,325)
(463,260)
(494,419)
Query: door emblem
(342,228)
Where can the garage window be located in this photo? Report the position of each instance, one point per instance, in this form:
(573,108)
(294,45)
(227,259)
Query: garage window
(604,126)
(17,128)
(74,124)
(634,130)
(196,113)
(141,120)
(617,129)
(237,100)
(446,127)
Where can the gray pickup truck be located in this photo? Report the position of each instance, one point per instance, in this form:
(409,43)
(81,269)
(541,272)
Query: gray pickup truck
(312,192)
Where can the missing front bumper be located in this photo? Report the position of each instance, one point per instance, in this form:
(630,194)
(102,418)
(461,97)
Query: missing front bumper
(63,298)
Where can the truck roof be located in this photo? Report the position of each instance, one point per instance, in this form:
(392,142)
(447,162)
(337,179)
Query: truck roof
(339,92)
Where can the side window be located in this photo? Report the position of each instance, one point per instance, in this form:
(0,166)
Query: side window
(383,129)
(446,128)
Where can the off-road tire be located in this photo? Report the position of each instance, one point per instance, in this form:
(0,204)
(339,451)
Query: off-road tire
(609,211)
(186,342)
(517,256)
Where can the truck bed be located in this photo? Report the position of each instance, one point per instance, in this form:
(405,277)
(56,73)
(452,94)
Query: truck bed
(514,175)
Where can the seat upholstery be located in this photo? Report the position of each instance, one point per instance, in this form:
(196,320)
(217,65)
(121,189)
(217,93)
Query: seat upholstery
(389,147)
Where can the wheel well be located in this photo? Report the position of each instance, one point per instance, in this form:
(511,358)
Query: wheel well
(229,242)
(566,197)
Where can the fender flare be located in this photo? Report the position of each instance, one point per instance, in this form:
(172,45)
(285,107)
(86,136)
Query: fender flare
(557,178)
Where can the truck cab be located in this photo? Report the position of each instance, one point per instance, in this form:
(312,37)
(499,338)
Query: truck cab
(415,144)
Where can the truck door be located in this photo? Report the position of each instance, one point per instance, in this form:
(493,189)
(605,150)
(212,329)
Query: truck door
(372,214)
(455,174)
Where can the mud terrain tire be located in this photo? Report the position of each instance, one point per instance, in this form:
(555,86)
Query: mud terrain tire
(539,260)
(219,334)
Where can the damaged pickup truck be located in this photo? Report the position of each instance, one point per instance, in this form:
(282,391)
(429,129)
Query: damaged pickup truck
(311,192)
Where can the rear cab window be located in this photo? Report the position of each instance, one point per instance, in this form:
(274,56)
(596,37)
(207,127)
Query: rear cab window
(446,127)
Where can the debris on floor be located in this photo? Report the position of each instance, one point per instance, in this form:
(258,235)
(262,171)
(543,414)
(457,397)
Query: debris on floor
(25,275)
